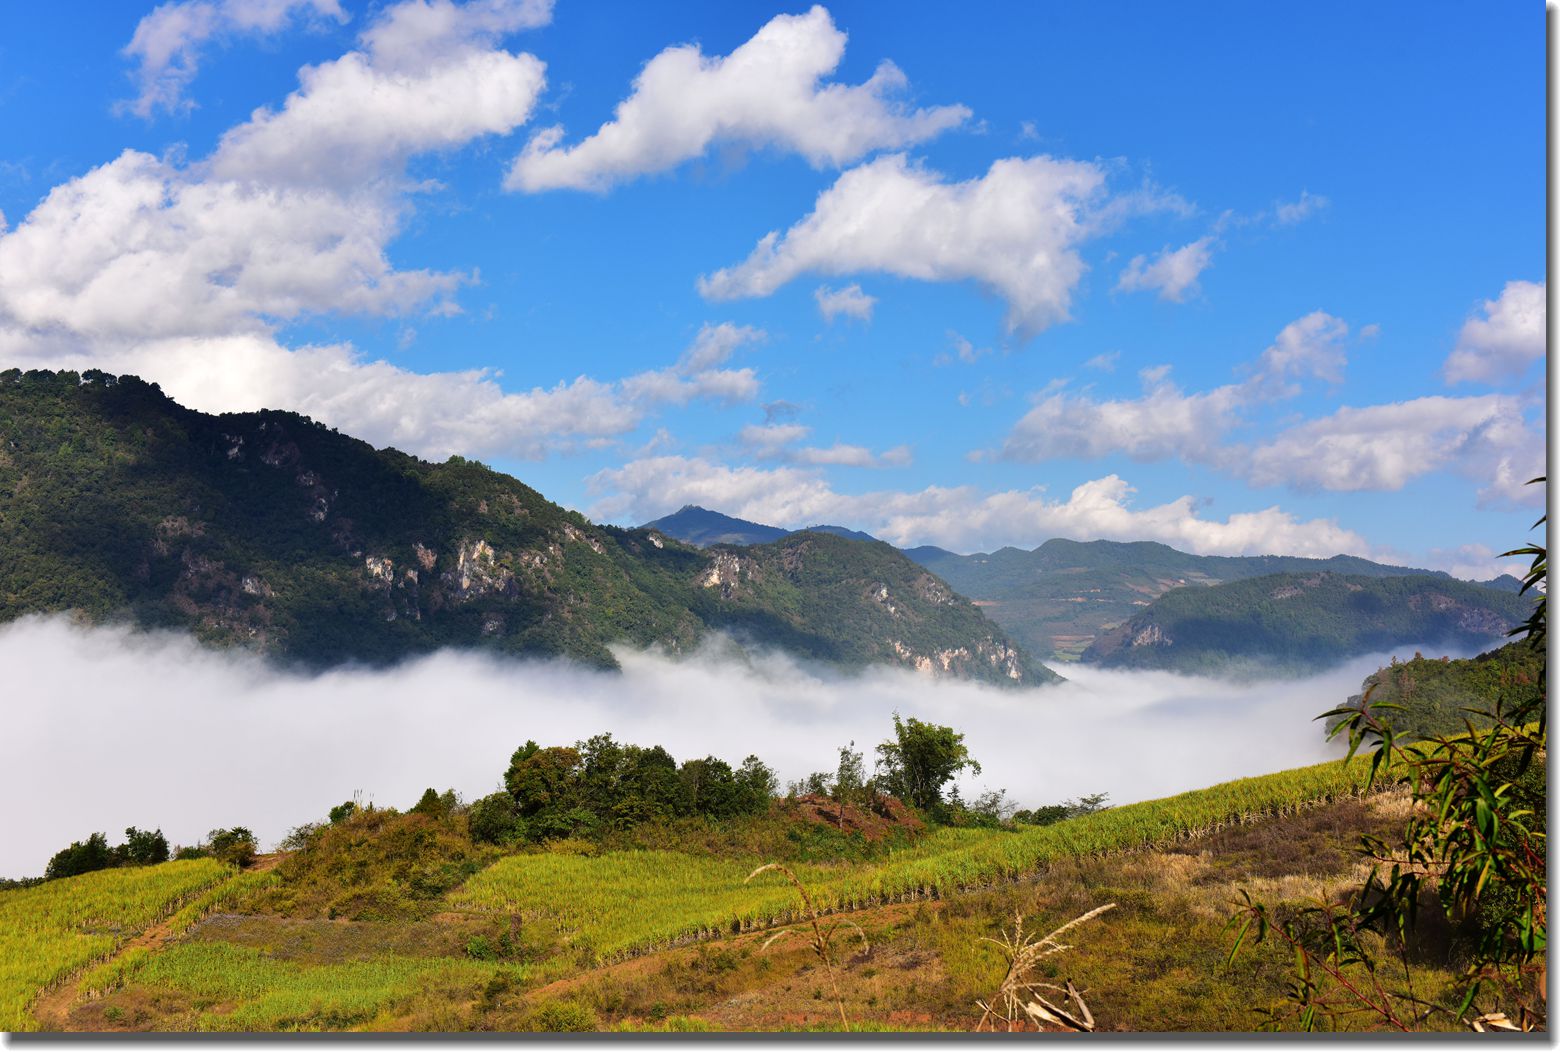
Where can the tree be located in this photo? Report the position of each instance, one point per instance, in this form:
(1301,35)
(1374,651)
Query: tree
(850,781)
(495,819)
(236,845)
(342,811)
(921,759)
(144,849)
(81,857)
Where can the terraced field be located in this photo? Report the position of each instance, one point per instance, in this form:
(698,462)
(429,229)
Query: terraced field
(54,930)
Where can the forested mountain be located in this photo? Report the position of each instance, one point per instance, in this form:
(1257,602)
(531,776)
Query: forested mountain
(1437,695)
(1296,622)
(269,531)
(1056,599)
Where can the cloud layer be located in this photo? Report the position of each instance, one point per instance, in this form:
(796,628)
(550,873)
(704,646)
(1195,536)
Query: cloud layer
(157,732)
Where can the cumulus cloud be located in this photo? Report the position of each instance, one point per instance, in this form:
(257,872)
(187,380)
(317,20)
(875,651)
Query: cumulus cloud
(1383,447)
(1106,363)
(1015,230)
(768,92)
(1505,340)
(167,43)
(1172,273)
(181,271)
(89,698)
(1308,348)
(1163,423)
(961,518)
(850,301)
(292,212)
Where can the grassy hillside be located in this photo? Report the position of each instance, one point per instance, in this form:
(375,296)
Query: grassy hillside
(526,921)
(1299,622)
(269,531)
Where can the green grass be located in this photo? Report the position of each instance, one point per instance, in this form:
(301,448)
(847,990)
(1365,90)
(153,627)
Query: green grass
(49,931)
(241,988)
(618,903)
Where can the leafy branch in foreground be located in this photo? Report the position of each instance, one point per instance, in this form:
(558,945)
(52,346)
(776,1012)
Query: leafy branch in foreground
(1473,847)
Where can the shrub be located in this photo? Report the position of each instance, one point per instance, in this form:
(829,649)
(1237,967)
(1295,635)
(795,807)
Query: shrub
(495,819)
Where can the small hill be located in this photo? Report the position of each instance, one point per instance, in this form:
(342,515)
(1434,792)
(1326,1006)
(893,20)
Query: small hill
(274,533)
(1437,694)
(1299,622)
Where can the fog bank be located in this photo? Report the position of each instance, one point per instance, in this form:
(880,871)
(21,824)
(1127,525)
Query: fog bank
(107,727)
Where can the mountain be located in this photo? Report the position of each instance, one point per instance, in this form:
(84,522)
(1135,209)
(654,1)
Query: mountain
(700,527)
(1297,622)
(1057,599)
(272,532)
(1437,694)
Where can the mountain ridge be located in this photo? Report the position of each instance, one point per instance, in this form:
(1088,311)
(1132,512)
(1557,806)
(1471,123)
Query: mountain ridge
(272,532)
(1058,598)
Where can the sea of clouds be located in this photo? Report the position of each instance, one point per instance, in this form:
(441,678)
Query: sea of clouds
(110,727)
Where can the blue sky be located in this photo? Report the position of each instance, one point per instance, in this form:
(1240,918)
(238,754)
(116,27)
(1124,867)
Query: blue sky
(1235,277)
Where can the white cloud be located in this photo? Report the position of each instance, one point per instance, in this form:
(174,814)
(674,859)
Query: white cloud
(850,301)
(1163,423)
(775,441)
(1015,231)
(715,344)
(770,439)
(1174,274)
(181,272)
(292,212)
(768,92)
(1504,342)
(1166,422)
(167,43)
(1383,447)
(428,414)
(961,518)
(1292,212)
(1106,363)
(1308,348)
(430,76)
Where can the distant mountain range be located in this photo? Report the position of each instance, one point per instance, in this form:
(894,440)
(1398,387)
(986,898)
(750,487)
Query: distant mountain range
(1060,598)
(1299,622)
(271,532)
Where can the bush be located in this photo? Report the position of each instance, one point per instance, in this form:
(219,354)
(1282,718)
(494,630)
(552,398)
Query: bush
(495,819)
(235,846)
(562,1017)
